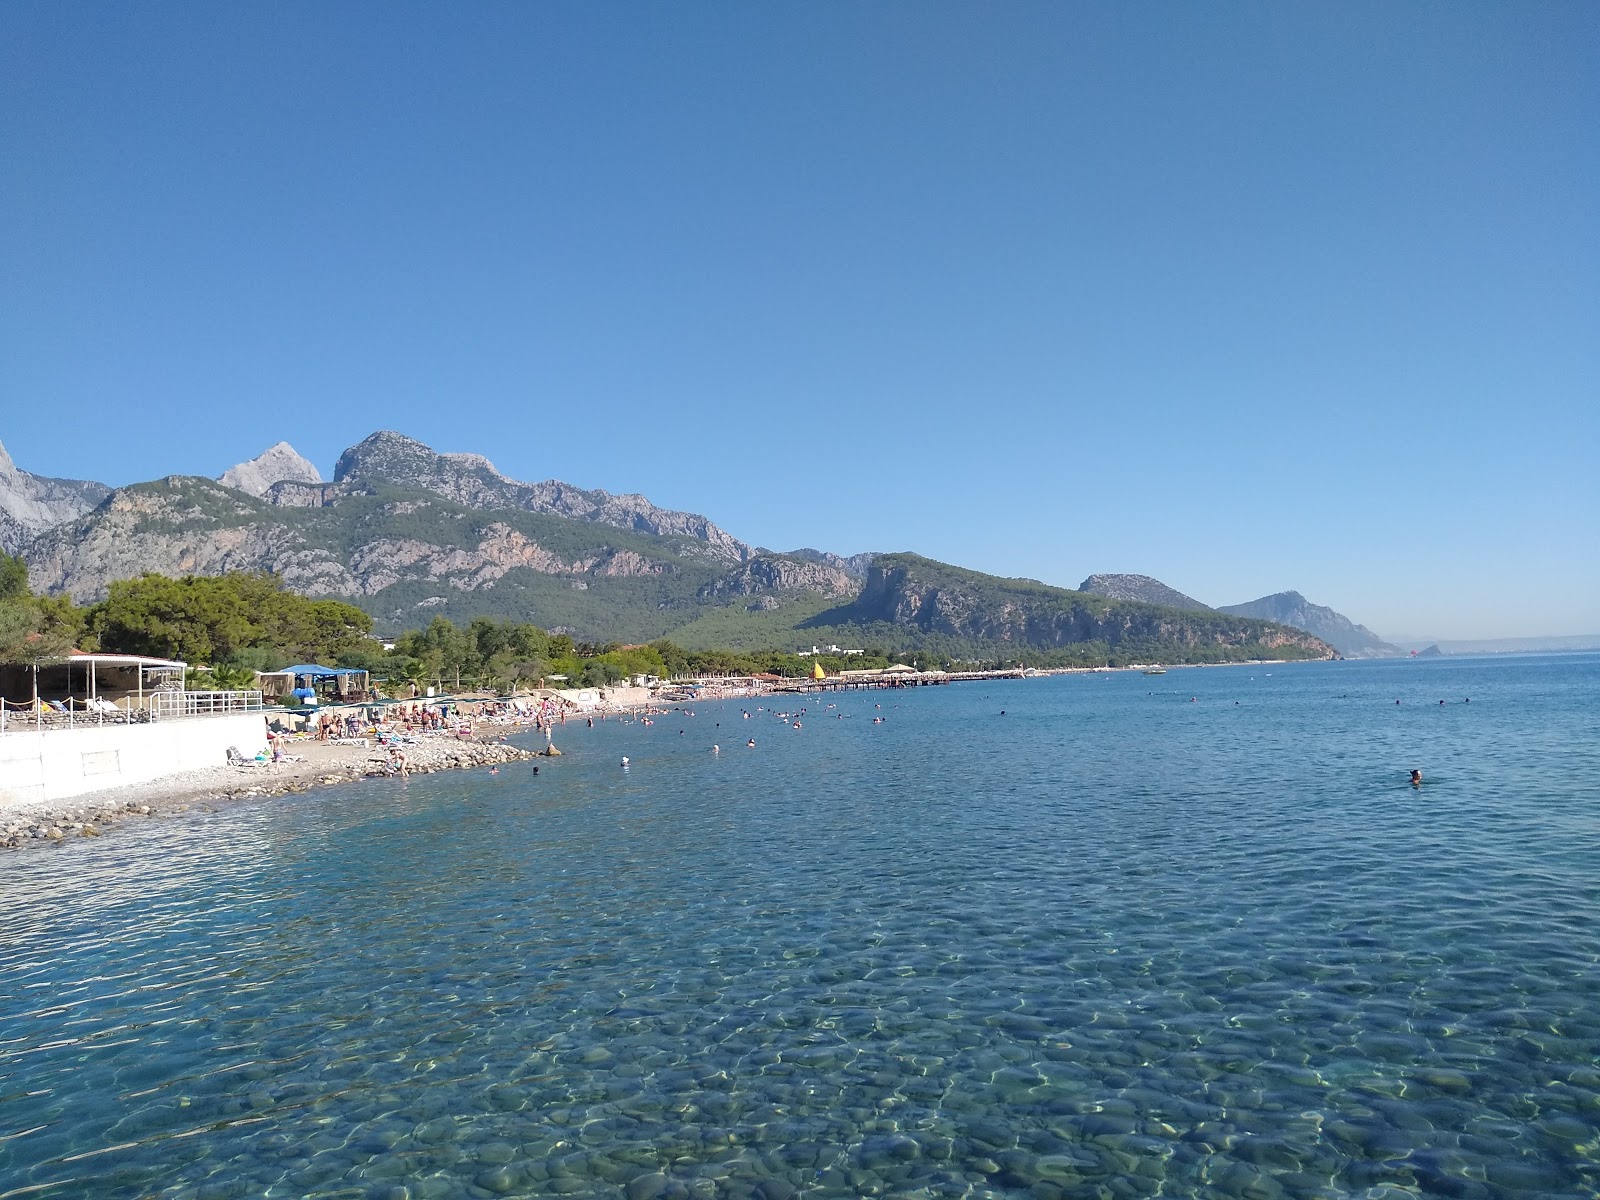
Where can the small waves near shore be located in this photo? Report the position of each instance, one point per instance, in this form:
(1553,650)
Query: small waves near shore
(1092,936)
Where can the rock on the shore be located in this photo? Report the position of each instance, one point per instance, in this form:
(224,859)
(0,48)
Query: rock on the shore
(55,825)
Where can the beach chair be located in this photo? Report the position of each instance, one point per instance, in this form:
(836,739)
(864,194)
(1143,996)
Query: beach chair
(238,758)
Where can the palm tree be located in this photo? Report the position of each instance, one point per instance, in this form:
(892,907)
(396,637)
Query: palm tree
(234,678)
(415,673)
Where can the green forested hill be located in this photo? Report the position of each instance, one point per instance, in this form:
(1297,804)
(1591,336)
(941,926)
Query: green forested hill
(951,607)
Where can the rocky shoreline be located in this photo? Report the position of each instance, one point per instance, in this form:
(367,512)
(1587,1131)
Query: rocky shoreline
(52,823)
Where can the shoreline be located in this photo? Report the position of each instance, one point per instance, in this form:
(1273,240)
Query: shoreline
(53,822)
(326,764)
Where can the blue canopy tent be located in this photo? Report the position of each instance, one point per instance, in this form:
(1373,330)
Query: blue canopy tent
(310,670)
(306,676)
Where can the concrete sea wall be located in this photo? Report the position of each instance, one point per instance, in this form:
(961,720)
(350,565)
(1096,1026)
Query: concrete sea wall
(61,763)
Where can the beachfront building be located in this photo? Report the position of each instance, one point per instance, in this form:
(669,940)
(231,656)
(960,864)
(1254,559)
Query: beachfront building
(79,688)
(79,722)
(80,684)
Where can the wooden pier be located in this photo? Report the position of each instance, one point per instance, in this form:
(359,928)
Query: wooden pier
(851,683)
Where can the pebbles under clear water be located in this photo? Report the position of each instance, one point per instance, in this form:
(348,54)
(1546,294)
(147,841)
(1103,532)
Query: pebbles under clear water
(1112,944)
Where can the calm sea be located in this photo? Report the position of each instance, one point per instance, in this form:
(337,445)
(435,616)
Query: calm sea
(1180,935)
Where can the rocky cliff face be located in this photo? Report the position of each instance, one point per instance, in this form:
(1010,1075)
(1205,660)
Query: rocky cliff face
(183,525)
(767,574)
(177,526)
(473,481)
(908,590)
(31,504)
(276,463)
(1140,588)
(1340,632)
(853,565)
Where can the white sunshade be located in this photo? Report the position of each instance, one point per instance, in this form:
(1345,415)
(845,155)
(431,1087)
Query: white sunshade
(119,660)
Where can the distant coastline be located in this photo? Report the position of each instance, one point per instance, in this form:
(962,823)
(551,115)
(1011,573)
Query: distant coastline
(1577,643)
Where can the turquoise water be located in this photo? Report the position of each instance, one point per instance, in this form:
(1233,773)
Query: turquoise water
(1112,944)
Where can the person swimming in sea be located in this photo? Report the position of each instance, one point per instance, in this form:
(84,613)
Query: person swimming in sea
(751,743)
(1416,778)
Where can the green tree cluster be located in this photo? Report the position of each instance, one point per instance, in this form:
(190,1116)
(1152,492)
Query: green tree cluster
(33,628)
(244,618)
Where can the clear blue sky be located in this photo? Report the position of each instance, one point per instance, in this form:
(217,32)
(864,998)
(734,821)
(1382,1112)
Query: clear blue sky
(1243,296)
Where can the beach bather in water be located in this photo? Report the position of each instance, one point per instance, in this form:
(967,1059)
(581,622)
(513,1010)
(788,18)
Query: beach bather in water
(1416,778)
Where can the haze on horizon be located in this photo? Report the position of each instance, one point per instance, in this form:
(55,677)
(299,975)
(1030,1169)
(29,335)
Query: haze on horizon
(1246,299)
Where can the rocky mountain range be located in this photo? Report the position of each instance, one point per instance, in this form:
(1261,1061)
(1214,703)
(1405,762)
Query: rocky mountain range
(406,531)
(31,504)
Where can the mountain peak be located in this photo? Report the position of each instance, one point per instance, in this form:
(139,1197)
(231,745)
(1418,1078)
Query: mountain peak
(472,480)
(1141,588)
(272,465)
(31,504)
(384,455)
(1338,630)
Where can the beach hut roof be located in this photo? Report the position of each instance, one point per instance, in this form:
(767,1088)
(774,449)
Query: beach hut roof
(124,660)
(84,658)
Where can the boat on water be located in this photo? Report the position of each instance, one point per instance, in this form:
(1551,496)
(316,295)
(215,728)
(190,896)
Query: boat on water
(1155,670)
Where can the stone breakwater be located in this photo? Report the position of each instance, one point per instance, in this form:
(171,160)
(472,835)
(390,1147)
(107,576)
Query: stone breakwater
(323,765)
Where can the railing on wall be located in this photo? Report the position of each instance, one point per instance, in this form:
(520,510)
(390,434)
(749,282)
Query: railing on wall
(158,706)
(165,706)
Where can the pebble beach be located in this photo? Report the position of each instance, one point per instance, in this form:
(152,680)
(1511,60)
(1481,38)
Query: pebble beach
(320,764)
